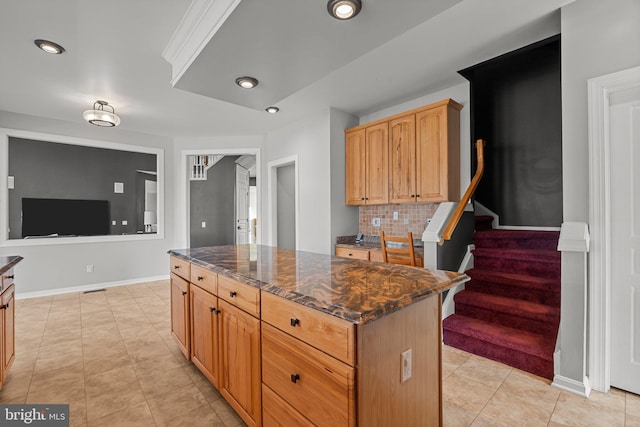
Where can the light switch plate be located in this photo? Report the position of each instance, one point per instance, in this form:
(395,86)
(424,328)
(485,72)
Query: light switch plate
(204,224)
(11,182)
(405,368)
(118,187)
(125,222)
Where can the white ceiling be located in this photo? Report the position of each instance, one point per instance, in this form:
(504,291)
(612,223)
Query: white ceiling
(113,52)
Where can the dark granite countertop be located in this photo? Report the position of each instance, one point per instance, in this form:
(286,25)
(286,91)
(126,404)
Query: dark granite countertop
(6,262)
(354,290)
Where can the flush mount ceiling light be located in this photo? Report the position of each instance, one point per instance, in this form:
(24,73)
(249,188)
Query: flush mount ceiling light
(247,82)
(100,117)
(49,47)
(272,110)
(344,9)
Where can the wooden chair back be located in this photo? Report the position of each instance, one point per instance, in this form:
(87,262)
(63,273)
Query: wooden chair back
(403,254)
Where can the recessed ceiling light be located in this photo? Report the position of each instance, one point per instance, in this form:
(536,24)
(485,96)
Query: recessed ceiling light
(49,47)
(344,9)
(272,110)
(247,82)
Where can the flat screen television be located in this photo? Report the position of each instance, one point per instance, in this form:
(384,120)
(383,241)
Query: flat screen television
(64,217)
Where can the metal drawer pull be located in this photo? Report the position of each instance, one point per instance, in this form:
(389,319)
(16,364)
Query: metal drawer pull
(295,322)
(200,278)
(295,378)
(232,294)
(9,277)
(176,267)
(184,292)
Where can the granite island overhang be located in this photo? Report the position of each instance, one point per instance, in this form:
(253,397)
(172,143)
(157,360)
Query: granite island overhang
(340,341)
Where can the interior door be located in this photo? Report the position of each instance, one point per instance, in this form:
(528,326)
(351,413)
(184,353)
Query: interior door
(242,205)
(625,239)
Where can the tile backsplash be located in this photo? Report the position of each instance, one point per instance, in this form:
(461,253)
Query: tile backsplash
(411,217)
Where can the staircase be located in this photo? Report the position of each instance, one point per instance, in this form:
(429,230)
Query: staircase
(510,309)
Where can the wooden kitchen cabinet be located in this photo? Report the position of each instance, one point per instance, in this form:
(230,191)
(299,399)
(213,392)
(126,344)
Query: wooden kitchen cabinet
(205,340)
(422,157)
(367,165)
(402,158)
(180,314)
(7,304)
(241,370)
(438,153)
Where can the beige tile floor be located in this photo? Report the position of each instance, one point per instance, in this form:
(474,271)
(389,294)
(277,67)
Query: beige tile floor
(110,355)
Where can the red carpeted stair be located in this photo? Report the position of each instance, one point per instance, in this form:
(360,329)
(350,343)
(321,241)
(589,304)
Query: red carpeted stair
(510,310)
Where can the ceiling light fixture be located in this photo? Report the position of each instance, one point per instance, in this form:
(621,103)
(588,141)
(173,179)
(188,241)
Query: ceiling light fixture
(344,9)
(247,82)
(272,110)
(100,117)
(49,47)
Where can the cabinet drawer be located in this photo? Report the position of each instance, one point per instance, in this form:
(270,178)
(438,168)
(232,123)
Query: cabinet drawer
(181,267)
(7,279)
(243,296)
(206,279)
(278,413)
(353,253)
(323,331)
(318,386)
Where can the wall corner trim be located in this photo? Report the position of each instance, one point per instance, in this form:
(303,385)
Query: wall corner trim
(574,237)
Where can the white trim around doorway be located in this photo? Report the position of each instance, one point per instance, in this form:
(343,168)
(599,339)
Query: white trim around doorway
(272,182)
(599,91)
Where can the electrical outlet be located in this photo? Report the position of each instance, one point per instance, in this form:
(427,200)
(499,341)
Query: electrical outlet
(405,365)
(114,222)
(204,224)
(375,222)
(125,222)
(395,216)
(89,268)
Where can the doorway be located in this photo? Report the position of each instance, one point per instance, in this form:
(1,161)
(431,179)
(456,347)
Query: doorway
(283,203)
(211,196)
(614,217)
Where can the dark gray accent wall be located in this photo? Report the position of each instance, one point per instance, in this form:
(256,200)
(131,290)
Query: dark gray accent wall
(64,171)
(213,201)
(286,209)
(516,106)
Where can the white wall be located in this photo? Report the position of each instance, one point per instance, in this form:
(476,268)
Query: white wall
(309,139)
(598,37)
(50,267)
(460,94)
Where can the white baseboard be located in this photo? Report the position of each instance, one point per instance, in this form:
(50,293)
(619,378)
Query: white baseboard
(573,386)
(83,288)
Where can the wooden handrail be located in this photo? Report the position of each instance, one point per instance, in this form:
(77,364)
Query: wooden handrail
(457,214)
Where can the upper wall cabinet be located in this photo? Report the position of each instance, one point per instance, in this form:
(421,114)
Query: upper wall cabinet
(423,157)
(367,165)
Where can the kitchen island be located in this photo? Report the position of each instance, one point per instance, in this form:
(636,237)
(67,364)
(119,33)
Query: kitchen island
(7,314)
(298,338)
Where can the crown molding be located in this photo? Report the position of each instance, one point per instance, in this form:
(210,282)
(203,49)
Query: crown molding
(199,24)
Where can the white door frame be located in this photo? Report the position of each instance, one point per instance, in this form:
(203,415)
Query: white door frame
(184,230)
(272,198)
(600,90)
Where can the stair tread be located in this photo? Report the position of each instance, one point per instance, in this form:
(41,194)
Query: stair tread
(514,279)
(514,339)
(518,234)
(508,305)
(538,254)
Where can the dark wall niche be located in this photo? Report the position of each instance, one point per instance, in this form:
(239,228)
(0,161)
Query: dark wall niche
(516,106)
(51,170)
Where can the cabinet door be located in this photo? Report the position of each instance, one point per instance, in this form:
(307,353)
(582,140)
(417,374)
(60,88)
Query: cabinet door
(241,375)
(431,153)
(205,340)
(377,164)
(180,313)
(355,167)
(402,156)
(8,330)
